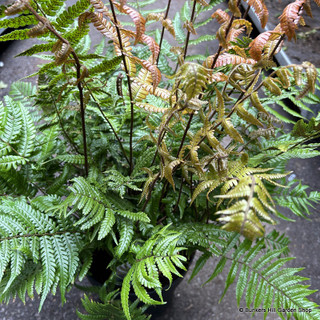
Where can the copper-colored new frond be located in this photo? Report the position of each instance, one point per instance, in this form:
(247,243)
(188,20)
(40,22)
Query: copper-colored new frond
(226,58)
(17,7)
(290,18)
(261,10)
(153,69)
(221,16)
(137,18)
(204,3)
(258,44)
(101,8)
(61,55)
(153,46)
(122,3)
(103,26)
(155,17)
(168,25)
(37,30)
(233,34)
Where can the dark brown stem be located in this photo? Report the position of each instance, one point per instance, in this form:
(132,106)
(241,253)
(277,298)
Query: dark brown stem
(227,31)
(191,193)
(129,82)
(188,34)
(163,28)
(246,12)
(62,126)
(79,85)
(207,210)
(179,196)
(111,126)
(277,46)
(185,132)
(82,110)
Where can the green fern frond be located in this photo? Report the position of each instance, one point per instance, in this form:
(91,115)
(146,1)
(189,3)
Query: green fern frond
(272,157)
(203,38)
(105,66)
(28,132)
(67,17)
(15,35)
(126,231)
(37,48)
(297,199)
(21,90)
(180,34)
(158,254)
(11,162)
(29,237)
(109,308)
(51,7)
(17,133)
(71,158)
(97,210)
(75,35)
(17,22)
(58,187)
(265,283)
(275,240)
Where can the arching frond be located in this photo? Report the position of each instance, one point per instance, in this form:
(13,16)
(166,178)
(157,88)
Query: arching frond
(266,283)
(158,254)
(36,247)
(290,18)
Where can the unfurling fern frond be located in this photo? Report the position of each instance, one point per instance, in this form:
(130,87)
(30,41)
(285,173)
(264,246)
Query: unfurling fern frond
(233,6)
(258,44)
(61,51)
(37,30)
(159,254)
(36,251)
(266,283)
(192,78)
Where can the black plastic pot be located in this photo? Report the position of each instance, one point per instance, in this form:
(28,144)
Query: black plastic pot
(99,274)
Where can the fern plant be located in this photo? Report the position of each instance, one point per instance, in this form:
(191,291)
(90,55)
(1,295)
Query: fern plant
(145,153)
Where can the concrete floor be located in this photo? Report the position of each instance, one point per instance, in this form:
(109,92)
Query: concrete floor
(191,301)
